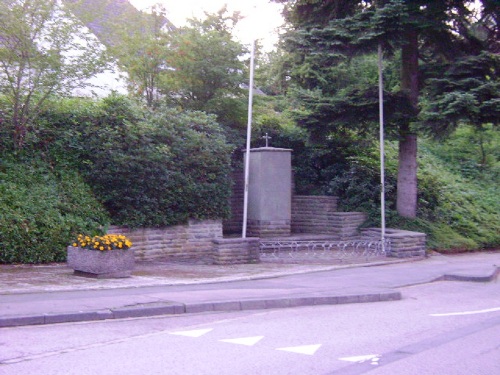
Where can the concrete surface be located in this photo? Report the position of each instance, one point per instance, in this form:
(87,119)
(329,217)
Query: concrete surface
(47,294)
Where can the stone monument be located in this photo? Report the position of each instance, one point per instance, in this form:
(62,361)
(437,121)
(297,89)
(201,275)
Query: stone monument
(269,192)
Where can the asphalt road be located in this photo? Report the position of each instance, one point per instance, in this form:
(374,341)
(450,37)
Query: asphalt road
(450,328)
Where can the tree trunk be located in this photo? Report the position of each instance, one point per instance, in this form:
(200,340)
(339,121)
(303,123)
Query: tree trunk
(407,171)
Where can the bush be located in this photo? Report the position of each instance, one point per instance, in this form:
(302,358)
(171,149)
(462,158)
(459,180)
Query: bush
(161,169)
(148,168)
(469,208)
(42,210)
(90,161)
(454,212)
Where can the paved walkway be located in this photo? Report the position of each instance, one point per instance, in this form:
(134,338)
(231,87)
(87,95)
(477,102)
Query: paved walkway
(52,294)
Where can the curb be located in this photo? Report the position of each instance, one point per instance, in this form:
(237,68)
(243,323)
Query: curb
(471,277)
(474,278)
(174,308)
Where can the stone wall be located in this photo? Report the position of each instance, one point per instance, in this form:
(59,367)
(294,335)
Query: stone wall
(312,214)
(199,240)
(193,241)
(345,225)
(236,250)
(404,243)
(318,215)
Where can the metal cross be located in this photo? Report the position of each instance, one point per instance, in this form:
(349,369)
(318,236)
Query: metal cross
(267,138)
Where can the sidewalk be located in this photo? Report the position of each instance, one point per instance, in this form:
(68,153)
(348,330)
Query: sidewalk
(52,294)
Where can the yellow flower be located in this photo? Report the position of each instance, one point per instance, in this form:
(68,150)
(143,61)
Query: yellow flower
(106,242)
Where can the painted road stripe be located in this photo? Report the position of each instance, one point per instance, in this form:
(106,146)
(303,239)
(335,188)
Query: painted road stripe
(468,312)
(248,341)
(193,333)
(374,358)
(304,349)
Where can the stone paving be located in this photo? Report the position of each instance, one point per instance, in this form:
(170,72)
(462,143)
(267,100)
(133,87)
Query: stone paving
(59,277)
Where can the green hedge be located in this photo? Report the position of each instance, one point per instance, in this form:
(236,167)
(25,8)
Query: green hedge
(41,210)
(162,170)
(89,163)
(148,167)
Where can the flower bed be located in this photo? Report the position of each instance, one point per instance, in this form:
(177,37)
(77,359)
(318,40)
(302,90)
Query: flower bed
(109,256)
(102,243)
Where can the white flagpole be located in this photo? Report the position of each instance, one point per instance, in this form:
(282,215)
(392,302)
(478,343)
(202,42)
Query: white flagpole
(249,134)
(382,151)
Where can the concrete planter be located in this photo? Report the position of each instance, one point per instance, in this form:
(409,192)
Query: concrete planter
(101,264)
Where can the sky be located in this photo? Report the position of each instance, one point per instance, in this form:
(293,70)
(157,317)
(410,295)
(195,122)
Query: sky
(261,16)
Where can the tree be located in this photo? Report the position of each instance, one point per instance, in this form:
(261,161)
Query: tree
(419,32)
(143,52)
(272,71)
(135,38)
(466,91)
(205,66)
(43,52)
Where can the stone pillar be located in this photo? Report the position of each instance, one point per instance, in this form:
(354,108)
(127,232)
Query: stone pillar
(270,192)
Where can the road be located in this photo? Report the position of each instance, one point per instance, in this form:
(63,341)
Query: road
(449,328)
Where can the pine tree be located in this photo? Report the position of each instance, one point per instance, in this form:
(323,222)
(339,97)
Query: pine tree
(422,32)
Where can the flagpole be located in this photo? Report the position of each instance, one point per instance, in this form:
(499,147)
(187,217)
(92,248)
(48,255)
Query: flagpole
(382,150)
(249,134)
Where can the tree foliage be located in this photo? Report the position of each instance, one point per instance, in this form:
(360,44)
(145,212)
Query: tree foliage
(204,63)
(43,52)
(418,34)
(142,53)
(136,39)
(466,91)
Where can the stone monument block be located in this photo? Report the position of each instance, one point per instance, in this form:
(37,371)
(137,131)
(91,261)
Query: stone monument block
(270,192)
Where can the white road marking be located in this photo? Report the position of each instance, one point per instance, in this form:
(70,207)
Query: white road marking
(468,312)
(248,341)
(193,333)
(304,349)
(374,358)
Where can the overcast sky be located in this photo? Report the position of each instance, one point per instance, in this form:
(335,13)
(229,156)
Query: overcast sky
(262,17)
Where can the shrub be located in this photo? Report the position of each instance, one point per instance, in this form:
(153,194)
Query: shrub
(42,209)
(161,169)
(454,212)
(148,168)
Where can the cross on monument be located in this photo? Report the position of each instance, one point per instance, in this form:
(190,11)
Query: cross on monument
(267,138)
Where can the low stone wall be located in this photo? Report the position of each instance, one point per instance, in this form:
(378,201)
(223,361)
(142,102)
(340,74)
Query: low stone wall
(318,215)
(312,214)
(193,241)
(404,243)
(236,250)
(345,225)
(199,240)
